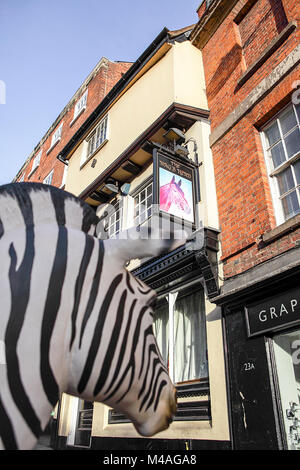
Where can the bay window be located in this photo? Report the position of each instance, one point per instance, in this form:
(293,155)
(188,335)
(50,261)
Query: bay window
(180,330)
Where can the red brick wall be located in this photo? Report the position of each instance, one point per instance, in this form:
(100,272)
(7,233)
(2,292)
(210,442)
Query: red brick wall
(243,191)
(98,87)
(259,25)
(224,62)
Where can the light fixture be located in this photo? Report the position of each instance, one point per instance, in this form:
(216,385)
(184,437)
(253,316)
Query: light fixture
(124,189)
(175,135)
(112,187)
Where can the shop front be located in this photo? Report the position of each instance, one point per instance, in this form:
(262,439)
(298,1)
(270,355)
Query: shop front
(262,322)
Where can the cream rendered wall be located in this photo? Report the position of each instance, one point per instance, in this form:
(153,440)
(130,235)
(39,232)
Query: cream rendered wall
(207,207)
(176,77)
(189,84)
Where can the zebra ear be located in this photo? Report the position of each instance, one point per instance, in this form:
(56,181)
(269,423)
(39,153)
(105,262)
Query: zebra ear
(139,243)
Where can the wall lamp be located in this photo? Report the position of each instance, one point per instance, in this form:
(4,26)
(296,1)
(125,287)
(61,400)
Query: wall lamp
(177,137)
(115,188)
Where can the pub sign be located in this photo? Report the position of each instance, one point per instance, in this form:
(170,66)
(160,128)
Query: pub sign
(174,187)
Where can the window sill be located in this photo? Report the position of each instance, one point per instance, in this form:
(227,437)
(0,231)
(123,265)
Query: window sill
(52,147)
(93,154)
(275,44)
(285,164)
(282,229)
(77,116)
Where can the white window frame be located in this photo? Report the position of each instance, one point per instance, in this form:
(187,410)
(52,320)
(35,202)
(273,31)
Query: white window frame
(56,137)
(171,299)
(64,178)
(36,162)
(115,217)
(288,163)
(49,177)
(142,205)
(95,140)
(80,106)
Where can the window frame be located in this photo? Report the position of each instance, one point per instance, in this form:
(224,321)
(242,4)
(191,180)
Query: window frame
(64,178)
(112,219)
(78,109)
(51,173)
(274,172)
(56,137)
(36,162)
(181,292)
(137,194)
(87,154)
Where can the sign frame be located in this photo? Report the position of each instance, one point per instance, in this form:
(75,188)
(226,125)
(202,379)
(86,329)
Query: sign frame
(270,308)
(177,165)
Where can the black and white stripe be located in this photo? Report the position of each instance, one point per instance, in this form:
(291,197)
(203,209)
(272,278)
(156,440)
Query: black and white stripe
(72,318)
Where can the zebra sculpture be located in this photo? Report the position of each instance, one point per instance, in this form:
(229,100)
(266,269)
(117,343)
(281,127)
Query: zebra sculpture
(73,319)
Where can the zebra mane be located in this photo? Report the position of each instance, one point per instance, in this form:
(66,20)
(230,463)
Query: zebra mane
(22,191)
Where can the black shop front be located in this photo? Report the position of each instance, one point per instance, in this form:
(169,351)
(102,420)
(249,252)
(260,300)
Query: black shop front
(261,311)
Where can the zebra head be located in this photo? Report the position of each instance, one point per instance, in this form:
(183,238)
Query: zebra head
(73,318)
(116,359)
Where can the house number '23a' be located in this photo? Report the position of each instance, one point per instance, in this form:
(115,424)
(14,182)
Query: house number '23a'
(248,366)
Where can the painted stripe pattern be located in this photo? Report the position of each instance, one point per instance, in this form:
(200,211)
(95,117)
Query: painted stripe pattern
(91,315)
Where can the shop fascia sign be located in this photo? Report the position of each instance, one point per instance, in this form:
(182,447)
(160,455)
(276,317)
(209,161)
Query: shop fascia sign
(274,313)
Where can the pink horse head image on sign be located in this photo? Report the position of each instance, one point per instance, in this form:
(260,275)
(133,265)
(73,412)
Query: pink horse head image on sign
(73,318)
(174,199)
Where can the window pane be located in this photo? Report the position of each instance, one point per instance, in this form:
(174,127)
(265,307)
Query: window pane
(190,360)
(277,153)
(292,142)
(290,205)
(272,134)
(297,171)
(161,330)
(288,121)
(285,181)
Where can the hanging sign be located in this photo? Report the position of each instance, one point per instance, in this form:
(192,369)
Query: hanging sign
(274,313)
(174,187)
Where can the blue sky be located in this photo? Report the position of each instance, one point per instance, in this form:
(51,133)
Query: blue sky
(48,47)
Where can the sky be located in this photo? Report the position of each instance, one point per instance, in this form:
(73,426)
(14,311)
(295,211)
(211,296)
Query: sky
(48,48)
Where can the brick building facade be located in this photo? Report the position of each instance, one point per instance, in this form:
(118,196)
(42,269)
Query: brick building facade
(251,59)
(42,165)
